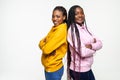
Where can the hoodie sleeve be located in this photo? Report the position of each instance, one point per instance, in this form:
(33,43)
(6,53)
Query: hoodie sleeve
(55,41)
(85,52)
(97,45)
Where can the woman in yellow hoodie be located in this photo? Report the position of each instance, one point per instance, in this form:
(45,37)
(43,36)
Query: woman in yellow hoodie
(54,45)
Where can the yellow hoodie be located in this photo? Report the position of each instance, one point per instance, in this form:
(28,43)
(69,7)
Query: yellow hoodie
(54,48)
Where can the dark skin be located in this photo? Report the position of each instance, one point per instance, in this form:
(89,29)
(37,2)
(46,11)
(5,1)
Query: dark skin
(79,19)
(89,45)
(57,18)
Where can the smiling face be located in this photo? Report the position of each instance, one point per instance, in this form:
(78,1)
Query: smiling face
(57,17)
(79,16)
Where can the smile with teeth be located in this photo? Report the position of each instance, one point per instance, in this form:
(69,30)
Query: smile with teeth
(55,22)
(80,18)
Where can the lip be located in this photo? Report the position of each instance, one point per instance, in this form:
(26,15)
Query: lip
(79,20)
(55,22)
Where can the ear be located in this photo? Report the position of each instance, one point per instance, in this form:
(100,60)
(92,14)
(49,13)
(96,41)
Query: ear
(64,17)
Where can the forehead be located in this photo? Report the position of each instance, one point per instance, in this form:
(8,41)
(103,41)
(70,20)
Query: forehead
(57,12)
(78,9)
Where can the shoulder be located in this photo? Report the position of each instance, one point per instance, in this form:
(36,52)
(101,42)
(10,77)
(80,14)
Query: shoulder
(63,25)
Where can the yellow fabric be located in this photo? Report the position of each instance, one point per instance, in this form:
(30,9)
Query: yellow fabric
(54,47)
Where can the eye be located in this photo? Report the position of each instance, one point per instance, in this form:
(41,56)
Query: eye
(82,13)
(53,16)
(57,16)
(76,13)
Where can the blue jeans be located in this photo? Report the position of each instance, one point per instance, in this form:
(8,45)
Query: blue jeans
(57,75)
(82,75)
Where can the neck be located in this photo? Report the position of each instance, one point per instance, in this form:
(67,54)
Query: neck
(81,24)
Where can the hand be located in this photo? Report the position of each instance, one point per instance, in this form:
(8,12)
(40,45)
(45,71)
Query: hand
(53,53)
(88,46)
(94,40)
(44,40)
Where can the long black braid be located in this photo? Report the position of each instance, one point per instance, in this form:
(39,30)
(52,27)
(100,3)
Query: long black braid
(71,23)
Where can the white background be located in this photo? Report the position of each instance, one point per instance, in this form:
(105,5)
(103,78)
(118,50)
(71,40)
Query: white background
(24,22)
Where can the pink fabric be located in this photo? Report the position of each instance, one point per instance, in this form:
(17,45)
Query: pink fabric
(83,64)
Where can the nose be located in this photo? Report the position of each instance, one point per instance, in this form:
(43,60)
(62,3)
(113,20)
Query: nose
(80,15)
(54,18)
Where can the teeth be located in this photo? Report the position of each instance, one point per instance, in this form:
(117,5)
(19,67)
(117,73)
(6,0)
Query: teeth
(55,22)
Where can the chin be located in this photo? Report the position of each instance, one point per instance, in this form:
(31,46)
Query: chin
(81,22)
(56,24)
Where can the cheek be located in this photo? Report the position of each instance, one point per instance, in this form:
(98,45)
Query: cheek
(61,20)
(76,18)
